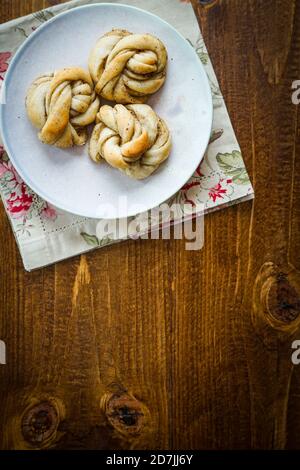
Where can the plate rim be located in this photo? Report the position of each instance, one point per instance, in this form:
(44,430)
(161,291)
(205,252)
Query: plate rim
(15,60)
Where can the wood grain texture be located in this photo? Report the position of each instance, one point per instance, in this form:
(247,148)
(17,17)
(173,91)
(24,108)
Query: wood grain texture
(146,345)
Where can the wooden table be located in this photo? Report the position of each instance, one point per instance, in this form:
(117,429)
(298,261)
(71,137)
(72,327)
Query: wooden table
(146,345)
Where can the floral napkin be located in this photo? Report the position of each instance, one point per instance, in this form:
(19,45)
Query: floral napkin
(46,234)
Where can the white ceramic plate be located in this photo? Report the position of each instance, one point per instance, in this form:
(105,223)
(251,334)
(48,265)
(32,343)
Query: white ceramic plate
(68,178)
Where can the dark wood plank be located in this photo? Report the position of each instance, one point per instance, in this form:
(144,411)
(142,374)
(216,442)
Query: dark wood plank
(146,345)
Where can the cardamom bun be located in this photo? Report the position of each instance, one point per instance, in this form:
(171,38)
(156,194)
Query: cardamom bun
(132,138)
(61,105)
(127,67)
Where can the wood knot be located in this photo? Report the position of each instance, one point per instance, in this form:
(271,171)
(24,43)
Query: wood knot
(283,301)
(125,413)
(39,423)
(276,302)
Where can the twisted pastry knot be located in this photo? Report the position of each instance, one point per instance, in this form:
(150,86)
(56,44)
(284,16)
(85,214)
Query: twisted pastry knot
(61,105)
(127,67)
(131,138)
